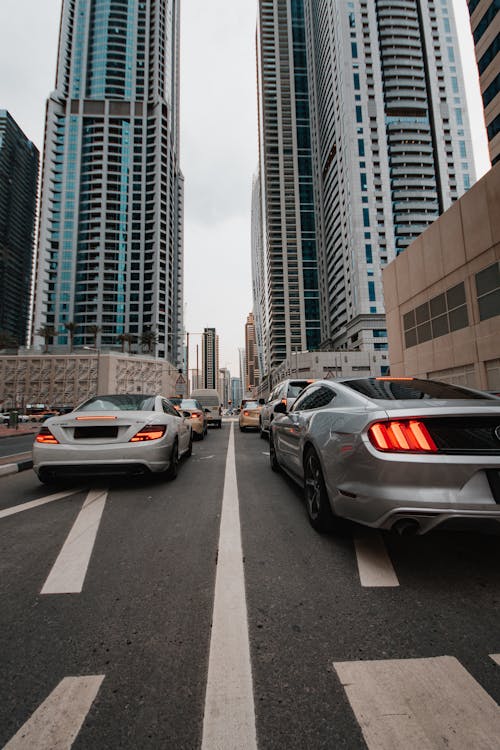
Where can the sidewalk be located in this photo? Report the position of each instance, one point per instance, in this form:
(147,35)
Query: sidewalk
(20,461)
(23,428)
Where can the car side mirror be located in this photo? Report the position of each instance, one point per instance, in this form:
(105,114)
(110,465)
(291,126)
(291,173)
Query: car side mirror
(187,414)
(207,411)
(262,401)
(280,408)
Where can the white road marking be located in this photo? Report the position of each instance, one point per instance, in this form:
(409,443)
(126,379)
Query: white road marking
(69,570)
(35,503)
(420,703)
(496,657)
(374,564)
(57,721)
(229,720)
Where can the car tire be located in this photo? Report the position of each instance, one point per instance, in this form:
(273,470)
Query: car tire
(172,470)
(189,451)
(316,497)
(272,454)
(262,433)
(243,429)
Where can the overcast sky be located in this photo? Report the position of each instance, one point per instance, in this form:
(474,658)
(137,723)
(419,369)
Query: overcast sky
(218,140)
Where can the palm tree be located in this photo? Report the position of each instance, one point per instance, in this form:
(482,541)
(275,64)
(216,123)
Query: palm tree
(7,340)
(71,327)
(149,339)
(126,338)
(46,332)
(94,331)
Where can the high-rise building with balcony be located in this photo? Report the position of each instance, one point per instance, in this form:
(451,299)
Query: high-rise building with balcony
(252,359)
(364,142)
(111,224)
(19,163)
(485,24)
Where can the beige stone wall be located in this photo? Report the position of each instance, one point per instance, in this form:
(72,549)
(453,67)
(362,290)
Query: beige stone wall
(69,379)
(462,242)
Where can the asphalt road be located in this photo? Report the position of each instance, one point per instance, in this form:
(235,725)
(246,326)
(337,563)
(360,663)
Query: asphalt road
(15,444)
(334,663)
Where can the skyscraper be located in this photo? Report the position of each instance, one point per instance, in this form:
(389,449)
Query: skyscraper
(19,162)
(392,145)
(210,358)
(292,321)
(110,241)
(364,141)
(485,23)
(252,360)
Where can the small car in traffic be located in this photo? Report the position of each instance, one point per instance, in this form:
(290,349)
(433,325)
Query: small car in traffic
(285,392)
(405,454)
(113,435)
(249,417)
(210,400)
(197,412)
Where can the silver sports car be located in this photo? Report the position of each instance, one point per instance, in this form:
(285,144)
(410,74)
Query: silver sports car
(393,453)
(125,434)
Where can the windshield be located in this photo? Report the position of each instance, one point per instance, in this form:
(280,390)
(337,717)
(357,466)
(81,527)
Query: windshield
(251,405)
(296,387)
(190,403)
(410,388)
(121,402)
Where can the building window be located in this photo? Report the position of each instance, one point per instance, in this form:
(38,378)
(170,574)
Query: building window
(442,314)
(488,291)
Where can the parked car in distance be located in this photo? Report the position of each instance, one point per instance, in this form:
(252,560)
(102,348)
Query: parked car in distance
(405,454)
(249,417)
(285,392)
(197,412)
(113,435)
(210,400)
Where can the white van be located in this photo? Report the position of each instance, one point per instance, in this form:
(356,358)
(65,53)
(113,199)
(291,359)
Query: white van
(210,400)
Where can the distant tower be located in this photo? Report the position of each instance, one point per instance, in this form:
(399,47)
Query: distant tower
(210,358)
(19,163)
(110,244)
(252,360)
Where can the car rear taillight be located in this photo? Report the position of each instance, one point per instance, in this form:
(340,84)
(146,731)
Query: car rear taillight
(196,414)
(410,435)
(246,413)
(149,432)
(46,437)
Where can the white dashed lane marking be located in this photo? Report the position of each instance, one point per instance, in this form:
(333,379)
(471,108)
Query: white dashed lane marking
(35,503)
(420,703)
(57,721)
(374,564)
(70,568)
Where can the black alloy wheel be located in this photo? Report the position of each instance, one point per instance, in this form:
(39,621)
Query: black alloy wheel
(317,504)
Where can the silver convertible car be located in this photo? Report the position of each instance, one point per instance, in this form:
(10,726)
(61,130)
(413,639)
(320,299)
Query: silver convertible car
(392,453)
(113,435)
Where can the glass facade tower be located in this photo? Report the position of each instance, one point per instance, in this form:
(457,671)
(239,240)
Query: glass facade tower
(19,163)
(110,240)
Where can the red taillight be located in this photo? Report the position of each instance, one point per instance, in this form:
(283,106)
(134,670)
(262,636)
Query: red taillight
(246,413)
(402,435)
(46,437)
(196,414)
(149,432)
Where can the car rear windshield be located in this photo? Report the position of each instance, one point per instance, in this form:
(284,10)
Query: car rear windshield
(189,403)
(296,387)
(121,402)
(251,405)
(403,390)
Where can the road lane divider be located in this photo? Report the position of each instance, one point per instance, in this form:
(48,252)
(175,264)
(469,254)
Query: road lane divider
(420,703)
(496,658)
(58,720)
(374,564)
(229,718)
(35,503)
(69,570)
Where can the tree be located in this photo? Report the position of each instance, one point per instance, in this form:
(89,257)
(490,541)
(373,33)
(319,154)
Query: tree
(7,340)
(46,332)
(149,339)
(94,332)
(126,338)
(71,327)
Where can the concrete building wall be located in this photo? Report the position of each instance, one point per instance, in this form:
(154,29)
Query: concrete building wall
(459,251)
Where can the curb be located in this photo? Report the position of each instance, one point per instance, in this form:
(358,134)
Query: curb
(16,467)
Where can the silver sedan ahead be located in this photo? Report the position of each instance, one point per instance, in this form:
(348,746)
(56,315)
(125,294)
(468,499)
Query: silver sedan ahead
(118,434)
(393,453)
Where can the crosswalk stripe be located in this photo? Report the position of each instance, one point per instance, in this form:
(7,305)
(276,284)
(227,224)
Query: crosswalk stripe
(57,721)
(420,703)
(496,657)
(35,503)
(229,719)
(69,570)
(374,564)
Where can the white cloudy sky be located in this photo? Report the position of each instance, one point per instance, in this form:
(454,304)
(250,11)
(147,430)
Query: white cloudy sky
(218,140)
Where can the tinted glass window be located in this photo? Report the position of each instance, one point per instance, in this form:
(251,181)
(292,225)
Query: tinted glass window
(315,398)
(393,389)
(169,409)
(295,387)
(123,402)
